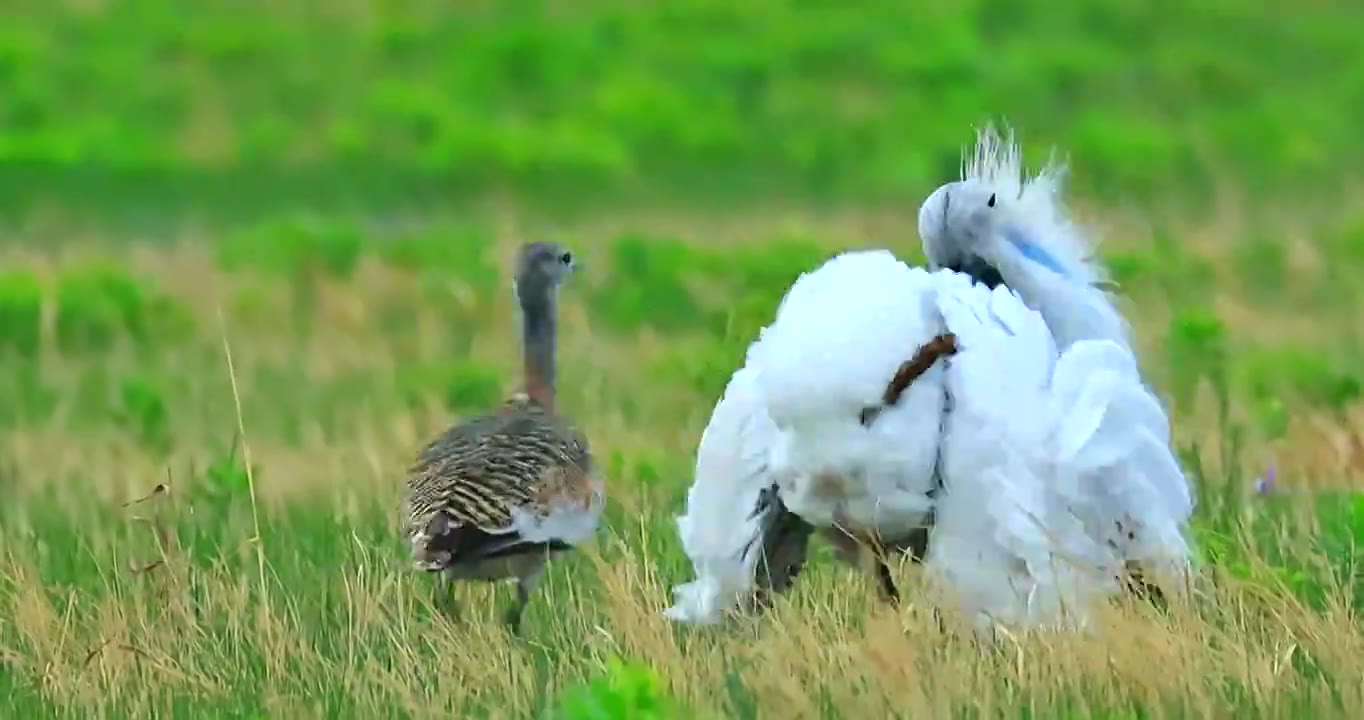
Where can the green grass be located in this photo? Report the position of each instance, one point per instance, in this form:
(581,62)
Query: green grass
(334,190)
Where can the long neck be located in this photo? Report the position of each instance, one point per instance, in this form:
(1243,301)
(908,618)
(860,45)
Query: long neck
(538,340)
(1073,310)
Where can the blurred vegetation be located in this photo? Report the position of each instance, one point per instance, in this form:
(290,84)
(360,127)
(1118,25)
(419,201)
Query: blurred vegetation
(624,691)
(590,102)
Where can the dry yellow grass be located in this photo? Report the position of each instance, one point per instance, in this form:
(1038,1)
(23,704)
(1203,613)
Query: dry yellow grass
(338,625)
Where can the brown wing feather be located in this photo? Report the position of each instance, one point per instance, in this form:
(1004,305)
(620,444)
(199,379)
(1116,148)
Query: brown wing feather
(465,483)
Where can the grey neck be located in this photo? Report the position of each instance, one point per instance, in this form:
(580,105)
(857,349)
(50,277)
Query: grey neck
(538,329)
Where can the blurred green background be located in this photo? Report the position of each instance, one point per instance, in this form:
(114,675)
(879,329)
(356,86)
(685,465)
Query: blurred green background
(247,103)
(333,188)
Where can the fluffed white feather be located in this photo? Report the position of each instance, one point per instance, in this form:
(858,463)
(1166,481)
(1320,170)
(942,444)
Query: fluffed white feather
(719,530)
(1043,457)
(838,338)
(791,417)
(1035,204)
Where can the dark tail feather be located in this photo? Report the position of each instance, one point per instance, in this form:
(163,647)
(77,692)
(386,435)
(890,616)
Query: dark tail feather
(785,540)
(464,543)
(1135,583)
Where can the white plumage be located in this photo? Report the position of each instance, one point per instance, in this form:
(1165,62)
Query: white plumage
(1040,454)
(720,532)
(1107,450)
(839,336)
(1049,464)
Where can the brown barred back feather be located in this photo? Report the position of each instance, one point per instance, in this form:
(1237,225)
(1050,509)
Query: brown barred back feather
(475,473)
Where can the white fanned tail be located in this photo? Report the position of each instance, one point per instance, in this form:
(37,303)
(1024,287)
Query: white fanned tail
(720,532)
(1057,471)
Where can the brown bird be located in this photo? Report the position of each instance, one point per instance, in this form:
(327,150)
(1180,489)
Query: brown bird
(495,496)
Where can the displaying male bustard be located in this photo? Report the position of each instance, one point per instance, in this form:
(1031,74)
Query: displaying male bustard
(1036,418)
(496,496)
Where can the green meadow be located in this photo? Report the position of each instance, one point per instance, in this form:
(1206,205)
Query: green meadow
(254,254)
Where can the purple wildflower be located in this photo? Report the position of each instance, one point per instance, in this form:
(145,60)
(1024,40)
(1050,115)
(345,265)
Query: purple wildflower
(1264,485)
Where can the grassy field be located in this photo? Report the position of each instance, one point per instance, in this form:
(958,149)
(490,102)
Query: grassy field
(252,256)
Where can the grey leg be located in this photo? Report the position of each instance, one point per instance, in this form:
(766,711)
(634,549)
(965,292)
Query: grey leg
(524,586)
(444,597)
(846,548)
(1135,583)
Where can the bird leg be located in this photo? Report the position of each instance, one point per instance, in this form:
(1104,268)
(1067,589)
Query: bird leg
(914,544)
(886,589)
(518,608)
(941,346)
(524,586)
(847,548)
(444,597)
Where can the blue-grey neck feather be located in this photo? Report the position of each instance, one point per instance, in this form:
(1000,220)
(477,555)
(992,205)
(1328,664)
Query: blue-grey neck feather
(1034,252)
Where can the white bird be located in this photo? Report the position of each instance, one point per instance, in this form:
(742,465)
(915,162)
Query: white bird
(1054,458)
(1001,227)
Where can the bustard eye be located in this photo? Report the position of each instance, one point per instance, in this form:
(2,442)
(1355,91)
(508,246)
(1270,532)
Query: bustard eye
(566,258)
(991,201)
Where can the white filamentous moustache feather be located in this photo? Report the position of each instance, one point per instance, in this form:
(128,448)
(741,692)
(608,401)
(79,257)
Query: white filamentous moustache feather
(1073,301)
(997,161)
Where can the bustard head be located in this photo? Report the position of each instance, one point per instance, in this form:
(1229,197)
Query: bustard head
(957,225)
(541,267)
